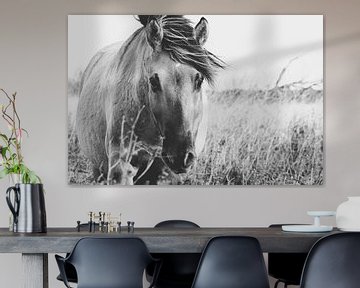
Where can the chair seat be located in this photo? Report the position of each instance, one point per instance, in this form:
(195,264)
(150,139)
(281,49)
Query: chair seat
(177,270)
(70,274)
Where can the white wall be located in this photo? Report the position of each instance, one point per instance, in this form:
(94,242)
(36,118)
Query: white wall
(33,47)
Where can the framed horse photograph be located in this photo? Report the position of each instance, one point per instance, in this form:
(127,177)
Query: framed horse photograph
(195,100)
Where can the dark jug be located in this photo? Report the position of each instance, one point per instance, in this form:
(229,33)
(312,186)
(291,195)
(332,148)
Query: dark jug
(28,208)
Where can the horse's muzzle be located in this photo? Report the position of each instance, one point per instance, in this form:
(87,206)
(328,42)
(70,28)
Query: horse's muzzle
(189,159)
(179,164)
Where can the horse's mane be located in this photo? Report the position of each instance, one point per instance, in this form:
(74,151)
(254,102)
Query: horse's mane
(179,41)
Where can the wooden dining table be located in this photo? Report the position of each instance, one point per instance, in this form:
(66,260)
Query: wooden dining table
(35,247)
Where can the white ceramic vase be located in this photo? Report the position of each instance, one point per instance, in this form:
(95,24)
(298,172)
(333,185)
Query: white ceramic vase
(348,214)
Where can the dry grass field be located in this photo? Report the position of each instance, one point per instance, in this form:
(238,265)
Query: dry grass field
(272,137)
(255,137)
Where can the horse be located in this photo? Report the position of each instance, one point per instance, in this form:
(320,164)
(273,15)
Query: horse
(141,105)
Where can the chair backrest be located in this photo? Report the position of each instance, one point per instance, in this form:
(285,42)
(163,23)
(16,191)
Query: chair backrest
(178,270)
(333,262)
(287,267)
(232,262)
(110,262)
(176,224)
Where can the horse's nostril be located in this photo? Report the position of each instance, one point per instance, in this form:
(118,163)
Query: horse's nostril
(189,159)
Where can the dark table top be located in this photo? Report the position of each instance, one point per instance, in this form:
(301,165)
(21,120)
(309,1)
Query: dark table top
(158,240)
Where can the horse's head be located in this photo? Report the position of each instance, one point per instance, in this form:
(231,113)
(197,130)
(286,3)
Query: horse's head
(176,69)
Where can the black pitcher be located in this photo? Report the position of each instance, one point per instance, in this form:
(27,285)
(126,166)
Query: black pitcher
(28,207)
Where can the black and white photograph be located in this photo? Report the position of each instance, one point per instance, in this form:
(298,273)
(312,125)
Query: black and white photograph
(195,100)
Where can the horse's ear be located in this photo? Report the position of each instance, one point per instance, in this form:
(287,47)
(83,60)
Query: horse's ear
(154,34)
(201,31)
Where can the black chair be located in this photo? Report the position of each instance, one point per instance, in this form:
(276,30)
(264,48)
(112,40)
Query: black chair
(69,269)
(286,267)
(333,262)
(108,263)
(70,273)
(232,262)
(178,269)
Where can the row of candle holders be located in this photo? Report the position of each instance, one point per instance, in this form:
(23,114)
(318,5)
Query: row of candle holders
(105,222)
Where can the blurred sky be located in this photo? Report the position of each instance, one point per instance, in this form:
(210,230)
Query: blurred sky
(255,47)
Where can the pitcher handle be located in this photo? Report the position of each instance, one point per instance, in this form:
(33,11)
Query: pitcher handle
(13,208)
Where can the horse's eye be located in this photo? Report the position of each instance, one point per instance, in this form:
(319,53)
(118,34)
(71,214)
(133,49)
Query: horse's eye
(198,81)
(155,83)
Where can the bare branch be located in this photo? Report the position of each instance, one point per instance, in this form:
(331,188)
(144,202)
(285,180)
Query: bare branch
(282,72)
(133,132)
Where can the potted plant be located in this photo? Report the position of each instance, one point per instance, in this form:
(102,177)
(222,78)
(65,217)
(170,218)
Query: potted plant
(25,197)
(11,159)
